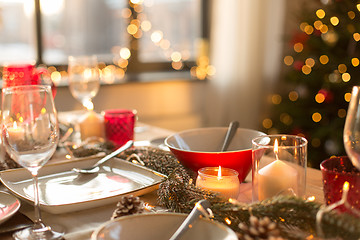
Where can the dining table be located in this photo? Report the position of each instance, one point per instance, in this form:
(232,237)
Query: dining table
(81,224)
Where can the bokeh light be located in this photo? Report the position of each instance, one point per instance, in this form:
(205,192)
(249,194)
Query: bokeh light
(306,69)
(356,37)
(334,21)
(319,98)
(176,56)
(276,99)
(293,96)
(342,113)
(125,53)
(346,77)
(286,119)
(347,97)
(318,24)
(355,62)
(351,15)
(316,117)
(267,123)
(156,36)
(320,13)
(310,62)
(298,47)
(324,59)
(288,60)
(342,68)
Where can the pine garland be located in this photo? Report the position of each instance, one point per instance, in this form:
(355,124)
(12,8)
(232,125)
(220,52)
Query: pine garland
(295,217)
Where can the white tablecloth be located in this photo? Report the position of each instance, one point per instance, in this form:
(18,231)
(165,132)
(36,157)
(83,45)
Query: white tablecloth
(80,225)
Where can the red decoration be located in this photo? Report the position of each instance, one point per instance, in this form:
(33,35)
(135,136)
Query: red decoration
(329,96)
(298,65)
(299,37)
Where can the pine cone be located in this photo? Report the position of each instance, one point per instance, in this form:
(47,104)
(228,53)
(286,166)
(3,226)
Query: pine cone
(263,229)
(128,205)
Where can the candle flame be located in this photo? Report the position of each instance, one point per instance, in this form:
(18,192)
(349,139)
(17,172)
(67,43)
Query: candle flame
(89,105)
(228,221)
(14,125)
(276,149)
(219,173)
(346,186)
(311,199)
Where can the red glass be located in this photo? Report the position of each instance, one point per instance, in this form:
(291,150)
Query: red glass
(119,125)
(335,171)
(24,74)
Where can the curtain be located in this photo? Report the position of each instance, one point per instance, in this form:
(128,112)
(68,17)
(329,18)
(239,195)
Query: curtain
(246,44)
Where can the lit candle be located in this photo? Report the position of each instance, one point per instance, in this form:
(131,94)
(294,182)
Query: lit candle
(92,125)
(277,177)
(15,133)
(221,180)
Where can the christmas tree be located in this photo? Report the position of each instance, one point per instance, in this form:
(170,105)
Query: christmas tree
(321,66)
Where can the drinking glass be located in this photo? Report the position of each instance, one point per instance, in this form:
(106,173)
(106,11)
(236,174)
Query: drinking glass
(352,128)
(84,78)
(30,135)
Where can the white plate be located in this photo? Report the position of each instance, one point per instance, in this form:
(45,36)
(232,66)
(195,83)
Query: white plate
(62,190)
(161,226)
(9,205)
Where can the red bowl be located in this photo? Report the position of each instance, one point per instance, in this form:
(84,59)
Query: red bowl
(197,148)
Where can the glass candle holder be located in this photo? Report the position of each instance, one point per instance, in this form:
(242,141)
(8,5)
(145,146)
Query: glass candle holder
(335,172)
(221,180)
(119,125)
(279,166)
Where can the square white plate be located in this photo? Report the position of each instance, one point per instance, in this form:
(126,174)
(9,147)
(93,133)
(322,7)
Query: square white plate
(62,190)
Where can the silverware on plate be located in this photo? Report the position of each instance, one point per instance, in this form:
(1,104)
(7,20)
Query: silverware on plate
(95,168)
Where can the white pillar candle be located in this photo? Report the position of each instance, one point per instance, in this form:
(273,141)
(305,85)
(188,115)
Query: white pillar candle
(15,133)
(275,178)
(92,125)
(221,180)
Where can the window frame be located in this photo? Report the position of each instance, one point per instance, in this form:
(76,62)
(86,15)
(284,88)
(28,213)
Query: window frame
(135,66)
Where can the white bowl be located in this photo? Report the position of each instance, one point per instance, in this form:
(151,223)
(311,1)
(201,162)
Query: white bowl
(160,226)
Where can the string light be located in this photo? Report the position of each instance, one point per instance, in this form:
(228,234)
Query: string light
(356,37)
(347,97)
(288,60)
(298,47)
(324,59)
(267,123)
(355,62)
(320,13)
(293,96)
(334,21)
(316,117)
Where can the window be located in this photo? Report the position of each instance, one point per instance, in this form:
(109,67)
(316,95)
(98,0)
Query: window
(127,36)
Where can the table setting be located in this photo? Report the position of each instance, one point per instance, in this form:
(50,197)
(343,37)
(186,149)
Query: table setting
(88,175)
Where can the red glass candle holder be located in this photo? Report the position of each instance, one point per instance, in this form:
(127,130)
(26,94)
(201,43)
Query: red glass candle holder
(119,125)
(25,74)
(335,171)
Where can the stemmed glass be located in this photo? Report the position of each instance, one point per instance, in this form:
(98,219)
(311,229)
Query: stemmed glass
(30,135)
(352,128)
(84,78)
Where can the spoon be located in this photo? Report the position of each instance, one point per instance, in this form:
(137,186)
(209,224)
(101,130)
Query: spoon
(95,168)
(200,208)
(229,135)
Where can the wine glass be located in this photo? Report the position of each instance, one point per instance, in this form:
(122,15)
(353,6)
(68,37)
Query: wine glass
(30,135)
(84,78)
(352,128)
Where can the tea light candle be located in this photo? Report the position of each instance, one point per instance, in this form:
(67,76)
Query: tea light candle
(222,180)
(276,177)
(16,133)
(92,125)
